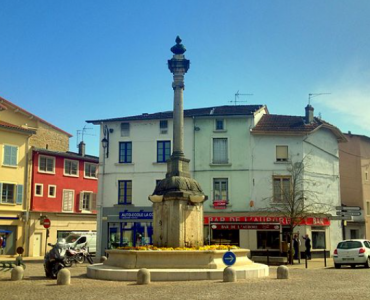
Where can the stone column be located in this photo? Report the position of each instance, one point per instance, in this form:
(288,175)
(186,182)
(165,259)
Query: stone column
(178,199)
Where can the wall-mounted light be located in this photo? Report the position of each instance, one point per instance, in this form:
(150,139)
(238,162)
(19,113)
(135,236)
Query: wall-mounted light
(105,140)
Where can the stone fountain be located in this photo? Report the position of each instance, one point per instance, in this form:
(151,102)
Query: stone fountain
(177,217)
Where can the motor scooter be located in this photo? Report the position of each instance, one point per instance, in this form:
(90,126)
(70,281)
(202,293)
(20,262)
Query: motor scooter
(54,260)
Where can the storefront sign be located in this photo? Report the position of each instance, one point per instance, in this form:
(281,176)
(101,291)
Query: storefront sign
(246,226)
(129,215)
(263,219)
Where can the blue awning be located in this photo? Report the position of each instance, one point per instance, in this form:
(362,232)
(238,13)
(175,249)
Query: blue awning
(5,231)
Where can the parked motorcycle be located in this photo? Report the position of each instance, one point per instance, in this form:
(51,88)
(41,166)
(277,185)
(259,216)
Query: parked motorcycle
(54,260)
(77,256)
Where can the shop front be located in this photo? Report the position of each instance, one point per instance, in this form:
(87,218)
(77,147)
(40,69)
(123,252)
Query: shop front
(261,233)
(127,228)
(11,229)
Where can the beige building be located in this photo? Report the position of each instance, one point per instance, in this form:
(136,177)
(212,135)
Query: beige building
(355,183)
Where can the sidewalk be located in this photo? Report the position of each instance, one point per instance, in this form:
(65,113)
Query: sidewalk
(25,259)
(315,263)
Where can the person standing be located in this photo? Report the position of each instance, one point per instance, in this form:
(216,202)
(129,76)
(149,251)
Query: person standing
(307,243)
(296,244)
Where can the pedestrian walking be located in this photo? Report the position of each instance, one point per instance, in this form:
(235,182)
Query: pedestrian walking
(307,243)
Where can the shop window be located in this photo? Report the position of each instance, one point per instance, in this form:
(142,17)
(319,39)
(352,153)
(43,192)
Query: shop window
(318,239)
(226,237)
(268,240)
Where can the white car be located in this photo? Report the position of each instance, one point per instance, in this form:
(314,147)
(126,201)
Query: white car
(352,253)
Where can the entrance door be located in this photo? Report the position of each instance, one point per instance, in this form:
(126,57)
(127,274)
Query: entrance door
(37,242)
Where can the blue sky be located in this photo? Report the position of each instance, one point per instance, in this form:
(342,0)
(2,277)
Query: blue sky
(70,61)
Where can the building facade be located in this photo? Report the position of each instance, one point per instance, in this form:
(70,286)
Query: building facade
(64,189)
(355,184)
(237,155)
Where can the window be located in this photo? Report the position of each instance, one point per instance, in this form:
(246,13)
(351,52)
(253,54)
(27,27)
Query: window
(70,167)
(368,208)
(281,189)
(46,164)
(87,201)
(268,239)
(10,156)
(39,187)
(318,238)
(68,199)
(281,153)
(90,170)
(220,155)
(125,152)
(163,151)
(125,129)
(163,126)
(8,193)
(220,189)
(219,124)
(52,191)
(124,192)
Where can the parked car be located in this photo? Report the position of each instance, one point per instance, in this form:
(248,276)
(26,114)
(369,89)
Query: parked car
(352,253)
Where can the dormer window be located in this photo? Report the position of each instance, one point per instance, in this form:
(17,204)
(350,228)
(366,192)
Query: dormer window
(281,153)
(163,126)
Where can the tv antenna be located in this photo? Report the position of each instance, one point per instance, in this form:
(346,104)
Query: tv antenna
(237,95)
(82,133)
(312,95)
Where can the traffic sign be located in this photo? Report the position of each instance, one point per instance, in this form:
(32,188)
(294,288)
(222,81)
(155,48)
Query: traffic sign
(47,223)
(347,208)
(349,213)
(229,258)
(340,218)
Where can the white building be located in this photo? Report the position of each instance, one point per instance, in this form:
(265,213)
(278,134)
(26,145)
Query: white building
(233,156)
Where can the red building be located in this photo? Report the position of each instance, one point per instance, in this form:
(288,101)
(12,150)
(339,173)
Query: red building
(64,189)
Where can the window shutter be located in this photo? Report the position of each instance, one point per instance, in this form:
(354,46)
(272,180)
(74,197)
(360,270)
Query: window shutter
(19,194)
(1,192)
(93,202)
(81,201)
(220,151)
(13,160)
(7,155)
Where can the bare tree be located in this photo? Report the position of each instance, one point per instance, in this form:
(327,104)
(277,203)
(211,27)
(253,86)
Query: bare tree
(295,198)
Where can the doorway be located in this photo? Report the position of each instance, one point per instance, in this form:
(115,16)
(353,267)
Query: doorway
(37,243)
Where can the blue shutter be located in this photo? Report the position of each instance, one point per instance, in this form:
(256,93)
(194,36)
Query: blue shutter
(19,194)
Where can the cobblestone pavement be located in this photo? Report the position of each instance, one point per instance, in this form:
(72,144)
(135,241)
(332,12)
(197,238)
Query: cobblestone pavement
(316,282)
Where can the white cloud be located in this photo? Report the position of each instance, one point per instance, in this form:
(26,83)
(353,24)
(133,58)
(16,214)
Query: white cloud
(350,98)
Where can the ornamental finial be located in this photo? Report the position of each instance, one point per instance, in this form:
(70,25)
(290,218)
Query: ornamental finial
(178,48)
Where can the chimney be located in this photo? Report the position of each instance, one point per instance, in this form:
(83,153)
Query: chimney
(309,114)
(81,148)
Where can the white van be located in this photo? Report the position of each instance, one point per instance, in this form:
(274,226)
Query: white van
(79,239)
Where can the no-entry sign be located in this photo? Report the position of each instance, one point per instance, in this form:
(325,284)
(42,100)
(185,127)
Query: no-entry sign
(46,223)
